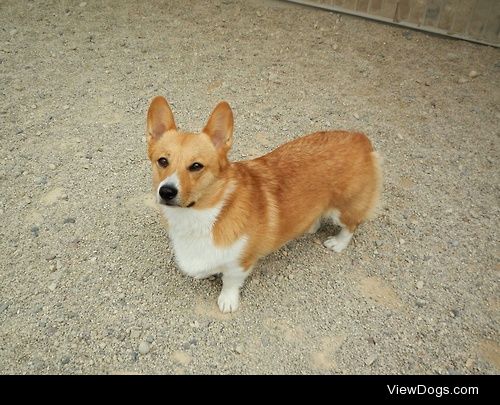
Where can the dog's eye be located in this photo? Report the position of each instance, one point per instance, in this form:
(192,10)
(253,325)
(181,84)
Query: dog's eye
(163,162)
(195,167)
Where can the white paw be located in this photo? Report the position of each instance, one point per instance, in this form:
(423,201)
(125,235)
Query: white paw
(336,244)
(229,300)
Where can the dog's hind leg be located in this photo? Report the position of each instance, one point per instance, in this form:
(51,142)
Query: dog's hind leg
(315,226)
(340,241)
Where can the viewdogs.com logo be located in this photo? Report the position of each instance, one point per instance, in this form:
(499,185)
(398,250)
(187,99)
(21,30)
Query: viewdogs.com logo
(438,392)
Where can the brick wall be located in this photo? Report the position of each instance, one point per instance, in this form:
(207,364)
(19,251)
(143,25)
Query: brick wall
(477,20)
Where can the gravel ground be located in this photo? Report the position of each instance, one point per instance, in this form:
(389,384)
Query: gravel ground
(87,281)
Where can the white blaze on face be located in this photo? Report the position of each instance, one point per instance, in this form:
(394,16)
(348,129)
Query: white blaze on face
(172,180)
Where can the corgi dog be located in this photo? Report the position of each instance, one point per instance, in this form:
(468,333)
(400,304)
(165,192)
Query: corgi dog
(224,216)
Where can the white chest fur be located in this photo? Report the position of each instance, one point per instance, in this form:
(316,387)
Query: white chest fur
(190,232)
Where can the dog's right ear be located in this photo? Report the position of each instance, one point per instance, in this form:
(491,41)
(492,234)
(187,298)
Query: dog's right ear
(160,118)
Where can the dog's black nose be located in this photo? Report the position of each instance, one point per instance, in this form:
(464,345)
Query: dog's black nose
(167,192)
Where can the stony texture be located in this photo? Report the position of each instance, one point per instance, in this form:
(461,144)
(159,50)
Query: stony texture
(110,283)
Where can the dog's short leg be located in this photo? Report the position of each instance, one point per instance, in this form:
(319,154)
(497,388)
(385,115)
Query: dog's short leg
(339,242)
(315,226)
(233,278)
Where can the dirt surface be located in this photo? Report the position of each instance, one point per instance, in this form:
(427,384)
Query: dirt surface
(87,281)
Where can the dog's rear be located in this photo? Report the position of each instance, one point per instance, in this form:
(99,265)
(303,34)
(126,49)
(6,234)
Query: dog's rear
(325,174)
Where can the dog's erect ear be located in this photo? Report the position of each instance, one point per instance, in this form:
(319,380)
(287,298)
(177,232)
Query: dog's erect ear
(160,118)
(220,126)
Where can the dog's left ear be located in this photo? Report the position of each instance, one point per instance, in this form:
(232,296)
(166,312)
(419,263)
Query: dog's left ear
(220,127)
(160,118)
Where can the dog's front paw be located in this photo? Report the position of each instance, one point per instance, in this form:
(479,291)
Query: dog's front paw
(229,300)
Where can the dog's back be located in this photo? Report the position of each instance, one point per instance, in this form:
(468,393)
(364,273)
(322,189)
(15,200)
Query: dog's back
(283,194)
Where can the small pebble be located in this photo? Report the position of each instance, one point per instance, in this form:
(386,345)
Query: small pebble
(83,4)
(150,339)
(420,284)
(52,166)
(70,220)
(134,356)
(239,349)
(41,180)
(473,74)
(135,333)
(356,115)
(52,286)
(407,34)
(144,347)
(35,230)
(65,360)
(371,359)
(462,80)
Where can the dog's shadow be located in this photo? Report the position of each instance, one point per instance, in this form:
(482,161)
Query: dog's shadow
(297,251)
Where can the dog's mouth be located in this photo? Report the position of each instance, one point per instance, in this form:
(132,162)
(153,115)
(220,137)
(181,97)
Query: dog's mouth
(174,203)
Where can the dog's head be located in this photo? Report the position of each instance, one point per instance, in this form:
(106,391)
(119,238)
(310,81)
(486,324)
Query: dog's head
(187,166)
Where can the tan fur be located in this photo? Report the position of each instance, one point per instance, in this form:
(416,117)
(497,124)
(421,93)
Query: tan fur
(274,198)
